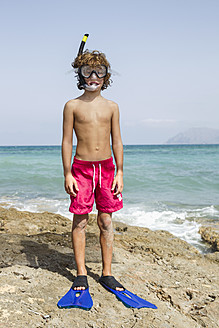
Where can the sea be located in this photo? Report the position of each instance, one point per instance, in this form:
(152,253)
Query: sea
(166,187)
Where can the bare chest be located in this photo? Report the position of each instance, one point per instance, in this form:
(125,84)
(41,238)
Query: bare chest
(93,117)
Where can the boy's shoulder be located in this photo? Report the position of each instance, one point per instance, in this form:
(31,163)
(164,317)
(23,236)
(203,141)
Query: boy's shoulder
(112,104)
(71,105)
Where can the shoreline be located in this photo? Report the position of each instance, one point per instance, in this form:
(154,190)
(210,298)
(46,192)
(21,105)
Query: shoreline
(38,268)
(201,244)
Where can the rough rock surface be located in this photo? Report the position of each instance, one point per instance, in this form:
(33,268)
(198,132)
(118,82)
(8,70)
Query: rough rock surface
(37,269)
(211,235)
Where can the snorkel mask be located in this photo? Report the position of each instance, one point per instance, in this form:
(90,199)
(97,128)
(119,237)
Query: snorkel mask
(85,71)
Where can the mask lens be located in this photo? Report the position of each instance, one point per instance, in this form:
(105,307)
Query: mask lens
(86,71)
(100,71)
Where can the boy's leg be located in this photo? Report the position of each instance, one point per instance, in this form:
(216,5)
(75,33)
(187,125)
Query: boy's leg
(104,221)
(78,243)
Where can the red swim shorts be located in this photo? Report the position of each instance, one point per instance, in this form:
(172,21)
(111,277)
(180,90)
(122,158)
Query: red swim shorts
(94,179)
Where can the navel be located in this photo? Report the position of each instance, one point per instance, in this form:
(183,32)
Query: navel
(97,148)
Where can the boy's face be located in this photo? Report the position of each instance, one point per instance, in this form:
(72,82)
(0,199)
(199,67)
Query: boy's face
(93,80)
(94,75)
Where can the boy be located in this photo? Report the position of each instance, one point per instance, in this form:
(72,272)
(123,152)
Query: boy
(94,120)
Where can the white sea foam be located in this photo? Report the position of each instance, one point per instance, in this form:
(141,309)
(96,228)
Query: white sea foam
(181,223)
(176,223)
(205,211)
(38,205)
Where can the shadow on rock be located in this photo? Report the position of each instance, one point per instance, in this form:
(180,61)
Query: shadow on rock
(48,251)
(40,255)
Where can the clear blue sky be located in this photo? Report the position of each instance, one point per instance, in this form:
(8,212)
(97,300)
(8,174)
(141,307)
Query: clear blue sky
(165,51)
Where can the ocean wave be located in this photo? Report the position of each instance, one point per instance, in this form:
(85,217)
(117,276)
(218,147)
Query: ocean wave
(183,222)
(178,223)
(206,211)
(37,205)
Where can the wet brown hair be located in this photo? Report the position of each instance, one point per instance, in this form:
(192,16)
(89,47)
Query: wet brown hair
(92,58)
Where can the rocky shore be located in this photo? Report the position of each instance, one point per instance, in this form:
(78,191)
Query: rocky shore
(210,234)
(37,269)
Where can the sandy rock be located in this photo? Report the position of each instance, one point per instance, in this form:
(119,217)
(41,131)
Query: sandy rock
(211,235)
(38,267)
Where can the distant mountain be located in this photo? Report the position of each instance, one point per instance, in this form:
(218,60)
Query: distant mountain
(196,136)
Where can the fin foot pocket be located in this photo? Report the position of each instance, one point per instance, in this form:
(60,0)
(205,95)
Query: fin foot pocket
(110,282)
(80,281)
(126,297)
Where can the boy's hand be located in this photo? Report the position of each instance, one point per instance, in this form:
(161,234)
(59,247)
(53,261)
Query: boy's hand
(71,186)
(117,185)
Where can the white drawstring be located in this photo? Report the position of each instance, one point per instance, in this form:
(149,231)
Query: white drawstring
(94,178)
(100,175)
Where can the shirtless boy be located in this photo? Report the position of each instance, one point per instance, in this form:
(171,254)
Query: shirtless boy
(94,120)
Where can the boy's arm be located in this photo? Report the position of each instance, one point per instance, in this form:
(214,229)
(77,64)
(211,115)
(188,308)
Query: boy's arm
(117,151)
(68,123)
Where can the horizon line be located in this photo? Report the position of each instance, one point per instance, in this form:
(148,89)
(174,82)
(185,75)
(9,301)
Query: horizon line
(137,144)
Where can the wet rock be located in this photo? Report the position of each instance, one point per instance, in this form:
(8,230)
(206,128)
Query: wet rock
(211,236)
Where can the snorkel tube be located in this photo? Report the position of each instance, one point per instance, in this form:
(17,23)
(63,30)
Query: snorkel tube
(82,81)
(81,48)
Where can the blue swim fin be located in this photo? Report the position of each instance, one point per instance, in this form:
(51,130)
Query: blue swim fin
(76,299)
(129,299)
